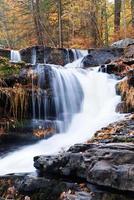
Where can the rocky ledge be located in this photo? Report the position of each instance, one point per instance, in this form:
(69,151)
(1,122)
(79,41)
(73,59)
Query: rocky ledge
(110,165)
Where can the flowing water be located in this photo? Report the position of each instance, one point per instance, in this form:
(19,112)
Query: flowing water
(84,100)
(15,56)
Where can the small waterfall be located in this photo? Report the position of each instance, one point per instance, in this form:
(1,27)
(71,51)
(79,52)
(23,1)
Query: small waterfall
(15,56)
(34,56)
(78,56)
(79,53)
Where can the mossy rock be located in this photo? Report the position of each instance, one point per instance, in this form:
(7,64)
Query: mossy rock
(8,69)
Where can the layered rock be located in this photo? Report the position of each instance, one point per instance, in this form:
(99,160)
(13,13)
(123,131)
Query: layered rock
(109,165)
(42,54)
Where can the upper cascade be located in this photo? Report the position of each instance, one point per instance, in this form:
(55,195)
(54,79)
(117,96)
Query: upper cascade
(48,55)
(15,56)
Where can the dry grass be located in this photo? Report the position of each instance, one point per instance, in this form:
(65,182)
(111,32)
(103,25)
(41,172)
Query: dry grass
(127,93)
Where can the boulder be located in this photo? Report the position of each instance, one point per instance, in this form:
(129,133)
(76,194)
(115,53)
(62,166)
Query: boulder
(123,43)
(109,165)
(98,57)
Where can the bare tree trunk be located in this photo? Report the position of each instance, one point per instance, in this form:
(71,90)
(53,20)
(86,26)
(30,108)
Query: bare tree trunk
(60,24)
(104,15)
(37,21)
(93,23)
(124,17)
(132,11)
(117,14)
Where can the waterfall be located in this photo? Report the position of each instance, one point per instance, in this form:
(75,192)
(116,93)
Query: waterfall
(51,99)
(79,53)
(34,56)
(15,56)
(85,98)
(78,57)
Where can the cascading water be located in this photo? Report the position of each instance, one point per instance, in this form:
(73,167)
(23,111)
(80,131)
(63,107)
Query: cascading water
(58,95)
(79,53)
(78,57)
(15,56)
(33,58)
(98,100)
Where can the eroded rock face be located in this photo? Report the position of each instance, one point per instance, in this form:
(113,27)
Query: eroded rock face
(109,165)
(42,54)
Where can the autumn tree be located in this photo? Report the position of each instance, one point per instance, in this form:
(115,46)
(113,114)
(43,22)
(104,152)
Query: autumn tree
(38,21)
(60,23)
(132,12)
(117,15)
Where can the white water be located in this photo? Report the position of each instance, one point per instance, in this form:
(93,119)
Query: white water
(15,56)
(78,57)
(79,53)
(98,110)
(33,58)
(65,98)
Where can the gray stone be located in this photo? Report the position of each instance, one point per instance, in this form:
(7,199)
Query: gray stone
(109,165)
(123,43)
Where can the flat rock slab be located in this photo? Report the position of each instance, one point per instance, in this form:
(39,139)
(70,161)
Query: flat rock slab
(110,165)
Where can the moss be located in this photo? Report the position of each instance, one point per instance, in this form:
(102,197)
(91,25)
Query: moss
(123,139)
(8,69)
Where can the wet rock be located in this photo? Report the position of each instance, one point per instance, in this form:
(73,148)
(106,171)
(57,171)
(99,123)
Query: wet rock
(97,57)
(119,68)
(67,165)
(89,61)
(5,53)
(123,43)
(121,108)
(57,56)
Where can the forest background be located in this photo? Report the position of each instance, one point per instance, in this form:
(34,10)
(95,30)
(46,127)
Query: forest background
(65,23)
